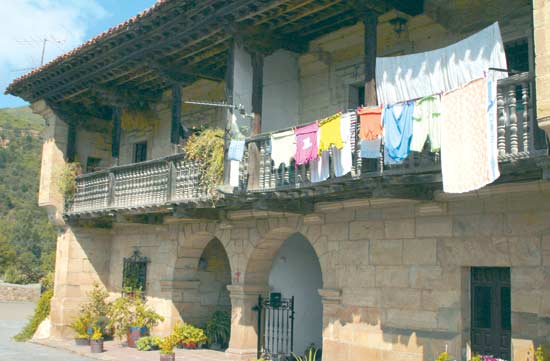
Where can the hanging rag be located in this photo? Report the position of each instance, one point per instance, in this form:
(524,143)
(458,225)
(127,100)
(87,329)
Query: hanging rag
(414,76)
(343,161)
(330,133)
(465,155)
(427,123)
(236,150)
(371,123)
(397,131)
(283,148)
(370,148)
(306,143)
(234,173)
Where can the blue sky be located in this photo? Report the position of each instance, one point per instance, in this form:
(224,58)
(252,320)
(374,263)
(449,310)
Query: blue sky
(65,23)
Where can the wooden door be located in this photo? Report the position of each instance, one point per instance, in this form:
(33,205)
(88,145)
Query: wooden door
(491,312)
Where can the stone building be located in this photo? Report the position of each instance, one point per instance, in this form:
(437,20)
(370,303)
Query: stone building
(382,264)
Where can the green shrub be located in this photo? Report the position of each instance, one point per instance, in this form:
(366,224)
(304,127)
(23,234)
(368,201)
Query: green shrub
(188,335)
(148,343)
(41,311)
(543,352)
(444,356)
(131,311)
(218,328)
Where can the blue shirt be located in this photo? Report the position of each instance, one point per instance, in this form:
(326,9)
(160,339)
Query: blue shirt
(397,132)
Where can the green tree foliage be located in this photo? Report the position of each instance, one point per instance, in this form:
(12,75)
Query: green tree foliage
(27,239)
(41,311)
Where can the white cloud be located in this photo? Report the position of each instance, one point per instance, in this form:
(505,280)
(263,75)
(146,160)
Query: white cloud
(25,23)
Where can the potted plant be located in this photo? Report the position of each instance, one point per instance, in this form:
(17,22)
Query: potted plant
(218,329)
(130,316)
(148,343)
(189,336)
(80,326)
(96,341)
(166,346)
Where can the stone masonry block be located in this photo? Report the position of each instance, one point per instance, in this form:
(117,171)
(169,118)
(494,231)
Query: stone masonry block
(420,251)
(335,231)
(435,226)
(413,319)
(386,252)
(366,230)
(403,298)
(434,299)
(525,251)
(353,253)
(343,215)
(392,276)
(400,228)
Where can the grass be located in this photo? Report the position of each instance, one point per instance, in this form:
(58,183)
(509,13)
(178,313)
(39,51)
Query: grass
(41,311)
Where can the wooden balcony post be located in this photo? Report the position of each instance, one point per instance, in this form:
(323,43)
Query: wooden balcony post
(229,99)
(257,60)
(370,21)
(115,148)
(176,117)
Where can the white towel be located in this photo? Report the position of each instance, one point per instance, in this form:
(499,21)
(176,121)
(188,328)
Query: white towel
(283,147)
(342,157)
(414,76)
(465,154)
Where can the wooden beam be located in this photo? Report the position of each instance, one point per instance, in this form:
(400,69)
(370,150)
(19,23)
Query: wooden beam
(229,82)
(176,114)
(370,21)
(257,60)
(115,148)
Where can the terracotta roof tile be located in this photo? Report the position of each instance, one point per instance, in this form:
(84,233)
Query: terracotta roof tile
(87,44)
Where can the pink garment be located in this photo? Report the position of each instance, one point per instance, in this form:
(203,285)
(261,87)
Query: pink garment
(306,143)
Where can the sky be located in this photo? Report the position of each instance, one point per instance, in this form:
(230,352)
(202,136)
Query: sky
(24,24)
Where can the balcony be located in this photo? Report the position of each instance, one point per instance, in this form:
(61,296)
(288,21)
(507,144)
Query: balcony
(519,139)
(144,187)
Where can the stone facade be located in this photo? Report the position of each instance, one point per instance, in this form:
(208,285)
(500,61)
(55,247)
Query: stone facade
(395,272)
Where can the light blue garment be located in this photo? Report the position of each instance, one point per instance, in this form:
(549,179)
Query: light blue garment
(370,148)
(492,142)
(397,131)
(236,150)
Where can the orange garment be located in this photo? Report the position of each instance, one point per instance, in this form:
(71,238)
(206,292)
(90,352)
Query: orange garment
(371,123)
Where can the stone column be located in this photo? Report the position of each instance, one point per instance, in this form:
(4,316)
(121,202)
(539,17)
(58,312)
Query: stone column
(53,162)
(244,321)
(332,300)
(541,19)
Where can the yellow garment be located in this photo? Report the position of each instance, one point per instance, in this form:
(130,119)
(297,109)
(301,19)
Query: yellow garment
(330,133)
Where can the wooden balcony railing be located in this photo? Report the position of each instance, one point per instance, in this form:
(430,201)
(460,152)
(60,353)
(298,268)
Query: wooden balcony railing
(518,138)
(153,183)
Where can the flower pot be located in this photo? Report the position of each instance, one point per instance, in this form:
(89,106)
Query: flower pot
(167,357)
(81,341)
(190,345)
(134,333)
(96,346)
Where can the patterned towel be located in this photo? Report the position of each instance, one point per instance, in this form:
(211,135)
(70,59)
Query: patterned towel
(465,156)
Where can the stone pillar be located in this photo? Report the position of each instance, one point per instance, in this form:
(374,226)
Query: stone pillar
(244,321)
(541,19)
(53,162)
(332,300)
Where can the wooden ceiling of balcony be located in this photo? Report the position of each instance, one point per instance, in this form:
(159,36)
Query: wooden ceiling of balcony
(181,41)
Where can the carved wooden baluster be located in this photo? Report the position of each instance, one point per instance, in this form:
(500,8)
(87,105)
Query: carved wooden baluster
(501,130)
(513,119)
(526,120)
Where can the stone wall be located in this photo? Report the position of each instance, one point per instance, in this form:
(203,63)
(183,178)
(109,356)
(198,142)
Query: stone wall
(541,19)
(395,272)
(19,293)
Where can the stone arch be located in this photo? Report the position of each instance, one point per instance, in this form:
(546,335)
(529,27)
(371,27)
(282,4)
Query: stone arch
(201,256)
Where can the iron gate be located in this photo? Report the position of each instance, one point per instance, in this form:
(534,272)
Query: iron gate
(275,326)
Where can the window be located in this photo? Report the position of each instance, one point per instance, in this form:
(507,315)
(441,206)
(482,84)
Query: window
(134,272)
(356,96)
(517,55)
(92,164)
(140,152)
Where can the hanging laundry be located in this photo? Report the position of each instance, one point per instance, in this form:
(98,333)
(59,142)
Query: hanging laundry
(414,76)
(330,133)
(371,123)
(370,148)
(236,150)
(306,143)
(342,157)
(427,123)
(397,131)
(234,173)
(320,168)
(492,140)
(465,155)
(283,148)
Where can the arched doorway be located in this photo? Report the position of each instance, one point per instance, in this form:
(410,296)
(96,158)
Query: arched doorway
(296,272)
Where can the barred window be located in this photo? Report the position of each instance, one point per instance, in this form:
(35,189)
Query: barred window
(134,272)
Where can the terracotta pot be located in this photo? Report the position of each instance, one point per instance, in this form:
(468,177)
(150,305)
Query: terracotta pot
(82,341)
(134,334)
(190,345)
(167,357)
(96,346)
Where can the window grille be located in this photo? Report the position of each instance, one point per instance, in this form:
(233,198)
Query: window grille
(134,272)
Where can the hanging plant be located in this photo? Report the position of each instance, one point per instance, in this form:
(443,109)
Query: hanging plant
(67,181)
(207,148)
(138,119)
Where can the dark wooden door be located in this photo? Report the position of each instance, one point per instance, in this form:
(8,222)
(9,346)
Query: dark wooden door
(491,312)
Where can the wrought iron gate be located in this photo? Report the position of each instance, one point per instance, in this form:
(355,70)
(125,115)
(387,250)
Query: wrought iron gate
(275,326)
